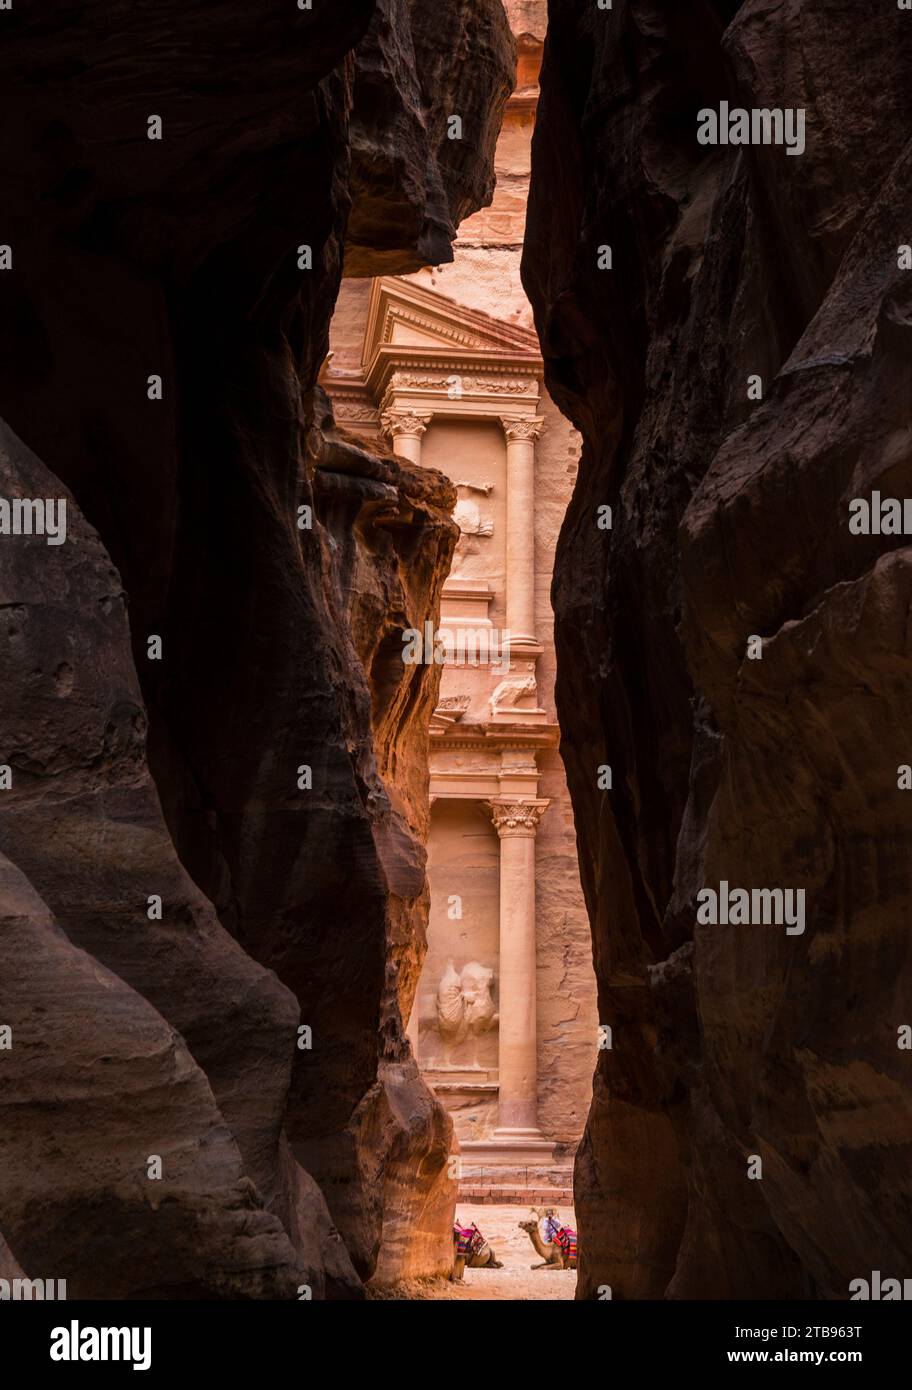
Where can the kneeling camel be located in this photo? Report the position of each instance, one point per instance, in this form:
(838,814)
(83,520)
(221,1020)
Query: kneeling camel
(560,1252)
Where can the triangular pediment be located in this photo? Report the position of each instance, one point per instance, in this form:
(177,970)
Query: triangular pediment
(404,315)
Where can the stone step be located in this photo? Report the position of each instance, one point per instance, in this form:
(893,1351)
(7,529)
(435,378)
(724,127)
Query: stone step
(510,1194)
(542,1175)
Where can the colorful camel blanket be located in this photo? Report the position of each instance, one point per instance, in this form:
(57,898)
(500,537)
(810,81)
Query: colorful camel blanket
(469,1240)
(568,1242)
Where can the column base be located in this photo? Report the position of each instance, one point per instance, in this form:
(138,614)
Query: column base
(509,1146)
(524,644)
(518,1134)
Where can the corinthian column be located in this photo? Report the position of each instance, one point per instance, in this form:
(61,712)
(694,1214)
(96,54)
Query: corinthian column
(521,436)
(405,428)
(516,823)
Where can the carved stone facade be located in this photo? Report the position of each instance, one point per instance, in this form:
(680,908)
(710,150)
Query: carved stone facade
(445,369)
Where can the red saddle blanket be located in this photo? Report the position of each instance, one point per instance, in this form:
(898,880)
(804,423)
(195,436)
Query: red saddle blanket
(469,1240)
(567,1240)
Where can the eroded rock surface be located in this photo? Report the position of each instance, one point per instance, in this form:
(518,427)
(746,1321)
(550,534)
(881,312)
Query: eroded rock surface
(730,520)
(162,324)
(415,174)
(132,1038)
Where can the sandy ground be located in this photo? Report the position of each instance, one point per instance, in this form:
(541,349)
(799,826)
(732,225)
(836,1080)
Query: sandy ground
(500,1226)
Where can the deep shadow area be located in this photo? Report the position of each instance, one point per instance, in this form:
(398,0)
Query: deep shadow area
(736,655)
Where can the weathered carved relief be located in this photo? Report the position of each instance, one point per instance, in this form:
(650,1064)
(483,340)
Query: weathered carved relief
(485,488)
(505,386)
(449,710)
(512,692)
(347,411)
(469,519)
(465,1005)
(471,523)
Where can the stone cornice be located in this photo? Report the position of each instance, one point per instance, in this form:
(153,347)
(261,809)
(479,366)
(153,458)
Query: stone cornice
(492,738)
(415,356)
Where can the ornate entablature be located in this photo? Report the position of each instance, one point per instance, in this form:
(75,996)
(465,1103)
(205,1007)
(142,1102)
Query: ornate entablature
(426,356)
(484,764)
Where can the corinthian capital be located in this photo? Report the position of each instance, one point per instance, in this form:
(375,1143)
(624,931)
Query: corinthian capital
(517,817)
(526,427)
(396,422)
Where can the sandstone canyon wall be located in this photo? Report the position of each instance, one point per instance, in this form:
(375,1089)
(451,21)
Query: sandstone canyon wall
(484,275)
(730,521)
(161,328)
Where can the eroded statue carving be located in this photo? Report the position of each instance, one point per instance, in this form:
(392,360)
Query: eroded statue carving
(465,1006)
(468,518)
(514,693)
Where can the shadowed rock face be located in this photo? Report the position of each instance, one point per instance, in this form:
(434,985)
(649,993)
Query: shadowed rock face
(282,906)
(414,175)
(731,521)
(131,1036)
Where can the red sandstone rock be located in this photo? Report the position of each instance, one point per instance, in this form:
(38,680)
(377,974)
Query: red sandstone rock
(731,519)
(420,64)
(82,819)
(180,258)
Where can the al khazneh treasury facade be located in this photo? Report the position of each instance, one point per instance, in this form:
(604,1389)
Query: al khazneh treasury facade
(444,367)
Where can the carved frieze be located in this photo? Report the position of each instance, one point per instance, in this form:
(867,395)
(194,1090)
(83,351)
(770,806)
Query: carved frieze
(456,383)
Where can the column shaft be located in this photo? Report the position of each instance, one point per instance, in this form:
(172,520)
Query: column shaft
(518,1105)
(516,823)
(521,436)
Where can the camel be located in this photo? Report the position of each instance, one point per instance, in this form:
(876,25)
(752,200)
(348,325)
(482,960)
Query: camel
(470,1248)
(560,1253)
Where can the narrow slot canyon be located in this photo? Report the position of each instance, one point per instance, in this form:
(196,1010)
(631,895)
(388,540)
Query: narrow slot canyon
(458,650)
